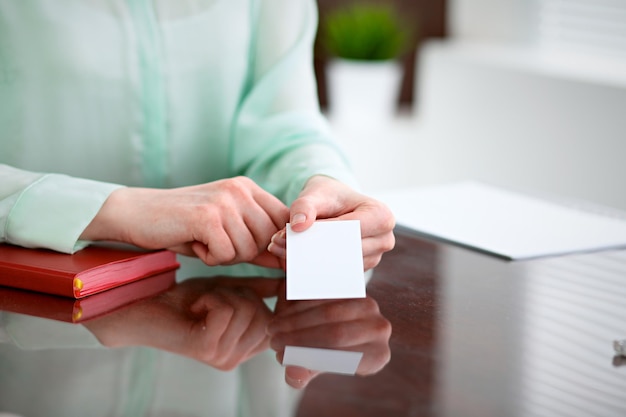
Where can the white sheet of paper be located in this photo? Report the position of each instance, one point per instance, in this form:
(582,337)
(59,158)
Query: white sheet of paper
(325,261)
(325,360)
(512,225)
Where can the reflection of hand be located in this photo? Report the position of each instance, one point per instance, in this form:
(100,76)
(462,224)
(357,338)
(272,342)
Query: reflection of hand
(219,321)
(327,198)
(350,324)
(222,222)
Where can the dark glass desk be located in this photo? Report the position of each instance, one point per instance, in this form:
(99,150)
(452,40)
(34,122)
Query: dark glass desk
(474,335)
(477,336)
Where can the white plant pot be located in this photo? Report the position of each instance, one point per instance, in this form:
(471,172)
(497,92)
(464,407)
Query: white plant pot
(363,93)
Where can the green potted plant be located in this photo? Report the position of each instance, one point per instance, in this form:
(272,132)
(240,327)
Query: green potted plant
(364,42)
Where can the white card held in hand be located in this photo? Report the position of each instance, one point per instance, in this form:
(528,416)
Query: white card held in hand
(325,261)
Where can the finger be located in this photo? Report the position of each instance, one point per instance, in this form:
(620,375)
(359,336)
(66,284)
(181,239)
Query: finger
(281,302)
(289,307)
(251,342)
(264,259)
(278,244)
(334,335)
(329,312)
(375,218)
(246,328)
(260,225)
(370,262)
(321,198)
(262,346)
(280,238)
(217,315)
(243,239)
(315,201)
(277,211)
(297,377)
(268,260)
(255,339)
(304,211)
(375,356)
(216,249)
(378,244)
(183,249)
(374,247)
(261,287)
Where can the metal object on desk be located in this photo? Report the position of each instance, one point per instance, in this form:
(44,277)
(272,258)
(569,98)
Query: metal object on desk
(620,353)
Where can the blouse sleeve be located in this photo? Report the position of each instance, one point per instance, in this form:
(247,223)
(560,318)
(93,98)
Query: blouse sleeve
(280,138)
(34,333)
(48,210)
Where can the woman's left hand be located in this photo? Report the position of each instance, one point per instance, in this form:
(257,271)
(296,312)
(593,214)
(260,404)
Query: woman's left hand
(350,324)
(326,198)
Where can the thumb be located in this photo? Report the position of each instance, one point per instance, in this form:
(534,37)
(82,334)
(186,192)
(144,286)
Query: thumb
(302,213)
(298,377)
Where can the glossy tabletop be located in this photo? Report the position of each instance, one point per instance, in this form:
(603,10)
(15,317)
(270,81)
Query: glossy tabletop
(475,335)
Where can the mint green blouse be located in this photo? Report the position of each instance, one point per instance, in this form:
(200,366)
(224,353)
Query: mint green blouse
(100,94)
(159,93)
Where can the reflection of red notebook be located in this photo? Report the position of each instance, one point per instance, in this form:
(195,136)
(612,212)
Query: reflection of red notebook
(88,271)
(76,311)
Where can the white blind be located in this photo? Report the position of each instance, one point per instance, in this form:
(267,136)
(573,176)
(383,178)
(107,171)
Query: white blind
(587,26)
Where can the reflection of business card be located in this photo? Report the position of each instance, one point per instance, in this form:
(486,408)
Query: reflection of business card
(324,360)
(325,261)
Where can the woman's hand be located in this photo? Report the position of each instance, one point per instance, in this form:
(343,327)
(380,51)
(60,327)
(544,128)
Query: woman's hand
(326,198)
(350,324)
(219,321)
(222,222)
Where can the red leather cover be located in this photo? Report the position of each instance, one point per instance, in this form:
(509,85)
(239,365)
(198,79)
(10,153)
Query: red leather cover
(77,311)
(91,270)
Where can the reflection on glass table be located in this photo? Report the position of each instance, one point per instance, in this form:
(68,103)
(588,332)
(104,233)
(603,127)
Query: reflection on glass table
(478,336)
(200,347)
(473,336)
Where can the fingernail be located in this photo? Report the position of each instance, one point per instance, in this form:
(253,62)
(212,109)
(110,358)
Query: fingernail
(276,250)
(275,343)
(278,237)
(294,382)
(298,218)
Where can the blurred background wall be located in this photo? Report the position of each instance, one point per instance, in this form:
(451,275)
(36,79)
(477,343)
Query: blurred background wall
(527,94)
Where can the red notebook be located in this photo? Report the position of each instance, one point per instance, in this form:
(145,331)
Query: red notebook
(71,310)
(89,271)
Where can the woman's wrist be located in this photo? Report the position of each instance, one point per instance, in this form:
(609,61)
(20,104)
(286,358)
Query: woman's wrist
(107,224)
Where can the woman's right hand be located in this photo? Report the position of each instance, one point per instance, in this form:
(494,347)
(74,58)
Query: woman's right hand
(223,222)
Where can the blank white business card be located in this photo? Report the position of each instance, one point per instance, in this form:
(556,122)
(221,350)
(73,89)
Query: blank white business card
(324,360)
(325,261)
